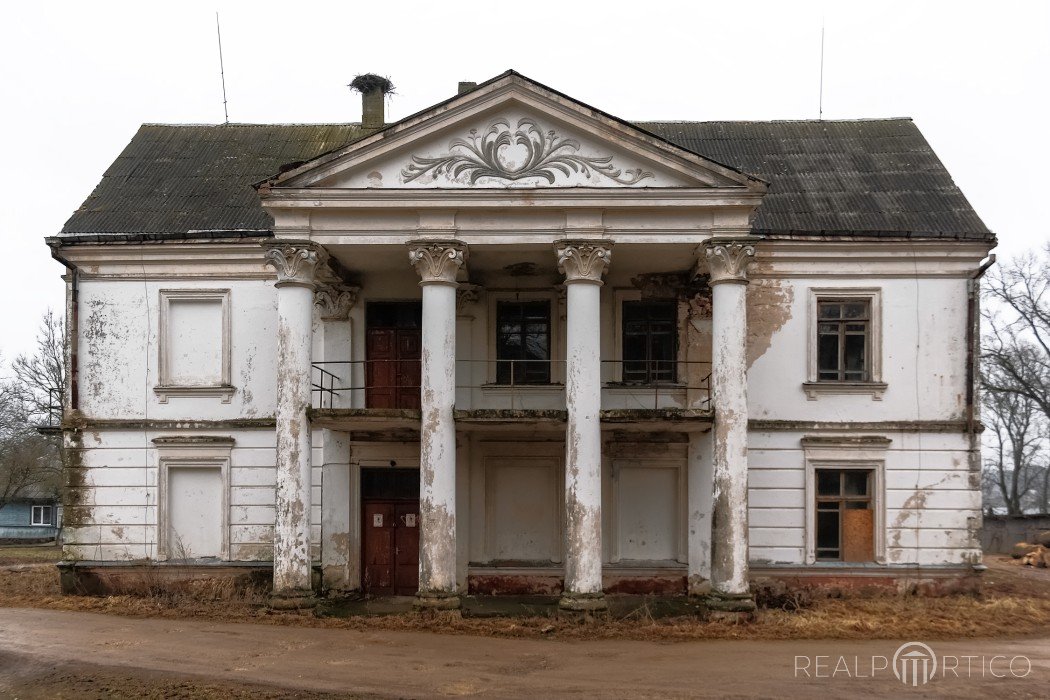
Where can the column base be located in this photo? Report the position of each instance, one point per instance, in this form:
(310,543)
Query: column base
(730,607)
(583,602)
(699,587)
(436,600)
(293,600)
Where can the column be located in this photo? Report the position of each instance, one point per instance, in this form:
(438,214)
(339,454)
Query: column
(727,260)
(437,263)
(340,521)
(296,264)
(583,264)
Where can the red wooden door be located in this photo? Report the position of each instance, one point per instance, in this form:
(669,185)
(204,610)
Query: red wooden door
(409,367)
(406,548)
(391,547)
(394,351)
(381,383)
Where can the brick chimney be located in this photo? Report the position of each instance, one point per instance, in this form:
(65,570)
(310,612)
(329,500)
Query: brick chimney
(374,89)
(465,86)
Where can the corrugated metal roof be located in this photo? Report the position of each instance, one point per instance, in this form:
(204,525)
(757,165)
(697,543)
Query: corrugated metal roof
(875,177)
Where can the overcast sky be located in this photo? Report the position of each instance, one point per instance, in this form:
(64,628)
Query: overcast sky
(79,78)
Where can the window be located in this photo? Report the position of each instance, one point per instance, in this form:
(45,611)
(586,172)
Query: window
(42,515)
(845,525)
(844,350)
(523,342)
(649,341)
(843,340)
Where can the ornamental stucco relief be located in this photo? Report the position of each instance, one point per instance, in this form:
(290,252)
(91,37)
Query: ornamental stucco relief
(521,153)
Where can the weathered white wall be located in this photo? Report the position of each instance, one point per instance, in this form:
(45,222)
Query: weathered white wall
(118,350)
(931,497)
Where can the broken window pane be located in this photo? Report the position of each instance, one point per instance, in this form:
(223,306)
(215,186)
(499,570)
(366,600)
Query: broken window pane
(827,482)
(828,531)
(855,483)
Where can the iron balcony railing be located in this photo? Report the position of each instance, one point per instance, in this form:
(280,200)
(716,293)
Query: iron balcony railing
(512,384)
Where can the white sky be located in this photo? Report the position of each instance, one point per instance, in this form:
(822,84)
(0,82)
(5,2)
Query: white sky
(78,78)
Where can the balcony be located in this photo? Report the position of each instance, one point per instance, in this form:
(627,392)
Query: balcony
(384,394)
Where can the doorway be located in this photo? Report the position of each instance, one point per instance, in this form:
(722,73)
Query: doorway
(390,529)
(393,349)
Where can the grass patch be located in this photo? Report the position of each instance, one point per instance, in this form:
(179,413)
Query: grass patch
(30,554)
(1015,603)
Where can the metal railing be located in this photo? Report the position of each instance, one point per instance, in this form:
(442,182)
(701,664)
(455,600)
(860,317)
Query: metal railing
(513,384)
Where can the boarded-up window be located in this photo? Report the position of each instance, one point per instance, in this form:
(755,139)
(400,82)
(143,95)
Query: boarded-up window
(647,511)
(195,342)
(194,338)
(194,512)
(522,519)
(845,525)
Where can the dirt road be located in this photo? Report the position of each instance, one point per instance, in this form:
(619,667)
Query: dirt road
(46,653)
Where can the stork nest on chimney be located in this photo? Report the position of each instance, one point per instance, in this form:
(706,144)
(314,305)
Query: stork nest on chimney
(370,82)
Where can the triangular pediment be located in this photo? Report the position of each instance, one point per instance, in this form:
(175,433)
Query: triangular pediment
(512,133)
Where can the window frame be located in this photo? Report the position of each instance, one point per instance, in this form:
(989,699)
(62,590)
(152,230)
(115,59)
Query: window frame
(502,362)
(844,453)
(166,387)
(874,386)
(557,351)
(195,451)
(50,518)
(839,499)
(614,377)
(621,331)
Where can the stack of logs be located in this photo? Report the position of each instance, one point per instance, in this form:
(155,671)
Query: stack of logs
(1035,553)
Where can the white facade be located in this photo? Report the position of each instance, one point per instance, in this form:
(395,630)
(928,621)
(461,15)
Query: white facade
(194,372)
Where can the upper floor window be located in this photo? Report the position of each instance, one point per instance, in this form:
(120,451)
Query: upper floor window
(523,342)
(42,515)
(844,340)
(649,341)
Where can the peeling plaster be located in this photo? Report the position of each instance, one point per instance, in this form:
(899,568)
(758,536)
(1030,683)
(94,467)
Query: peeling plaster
(768,309)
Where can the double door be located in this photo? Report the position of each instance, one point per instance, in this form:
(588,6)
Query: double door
(390,530)
(394,354)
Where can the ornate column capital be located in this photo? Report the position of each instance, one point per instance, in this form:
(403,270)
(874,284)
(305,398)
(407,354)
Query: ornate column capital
(296,262)
(333,302)
(437,262)
(583,261)
(728,258)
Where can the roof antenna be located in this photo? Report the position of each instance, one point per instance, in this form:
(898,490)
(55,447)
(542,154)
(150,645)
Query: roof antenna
(222,72)
(820,106)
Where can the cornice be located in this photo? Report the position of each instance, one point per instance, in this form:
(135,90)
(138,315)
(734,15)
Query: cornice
(551,197)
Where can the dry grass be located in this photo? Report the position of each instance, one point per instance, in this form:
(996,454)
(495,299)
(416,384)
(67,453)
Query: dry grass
(1012,608)
(29,554)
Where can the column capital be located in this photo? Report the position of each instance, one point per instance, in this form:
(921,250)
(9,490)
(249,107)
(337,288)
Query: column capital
(437,262)
(583,260)
(296,262)
(728,258)
(333,302)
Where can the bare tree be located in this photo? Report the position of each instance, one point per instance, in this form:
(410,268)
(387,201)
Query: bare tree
(1017,344)
(40,377)
(29,461)
(1016,379)
(1015,468)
